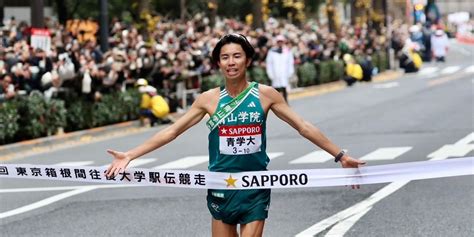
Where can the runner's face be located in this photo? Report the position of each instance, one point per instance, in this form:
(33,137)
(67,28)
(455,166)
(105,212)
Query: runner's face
(233,61)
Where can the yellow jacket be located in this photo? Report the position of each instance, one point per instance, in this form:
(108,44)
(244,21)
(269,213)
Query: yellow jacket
(145,102)
(416,59)
(157,104)
(354,70)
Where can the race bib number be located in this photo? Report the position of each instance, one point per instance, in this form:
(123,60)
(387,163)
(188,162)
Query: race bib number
(240,139)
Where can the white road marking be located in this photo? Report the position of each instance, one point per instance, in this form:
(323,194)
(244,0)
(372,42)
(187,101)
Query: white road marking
(75,163)
(65,188)
(140,162)
(456,47)
(450,69)
(70,193)
(44,202)
(466,140)
(342,227)
(273,155)
(136,162)
(184,163)
(357,208)
(469,69)
(428,70)
(369,202)
(313,157)
(386,153)
(453,150)
(386,85)
(77,190)
(190,161)
(458,149)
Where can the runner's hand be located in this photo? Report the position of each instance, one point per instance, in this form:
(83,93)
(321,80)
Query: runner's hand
(349,162)
(119,163)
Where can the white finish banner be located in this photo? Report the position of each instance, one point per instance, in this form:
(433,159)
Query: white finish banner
(248,180)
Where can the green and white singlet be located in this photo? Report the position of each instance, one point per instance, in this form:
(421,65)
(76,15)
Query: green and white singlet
(238,144)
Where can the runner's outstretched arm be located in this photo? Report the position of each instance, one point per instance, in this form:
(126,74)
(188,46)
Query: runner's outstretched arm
(306,129)
(163,137)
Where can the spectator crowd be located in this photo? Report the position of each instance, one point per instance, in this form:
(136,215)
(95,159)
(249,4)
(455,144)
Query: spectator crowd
(172,52)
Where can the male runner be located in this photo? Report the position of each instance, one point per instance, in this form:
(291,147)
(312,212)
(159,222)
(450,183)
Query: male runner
(229,149)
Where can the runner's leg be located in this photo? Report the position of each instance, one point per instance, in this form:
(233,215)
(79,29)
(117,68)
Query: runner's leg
(220,228)
(252,229)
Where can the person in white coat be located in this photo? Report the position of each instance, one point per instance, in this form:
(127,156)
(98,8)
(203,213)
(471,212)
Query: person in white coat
(280,66)
(439,45)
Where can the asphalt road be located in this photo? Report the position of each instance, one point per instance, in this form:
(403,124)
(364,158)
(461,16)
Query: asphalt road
(405,120)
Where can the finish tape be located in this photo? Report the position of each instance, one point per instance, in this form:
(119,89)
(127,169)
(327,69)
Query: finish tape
(304,178)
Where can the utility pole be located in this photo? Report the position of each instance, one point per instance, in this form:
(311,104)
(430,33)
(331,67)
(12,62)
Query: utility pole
(37,13)
(144,11)
(257,14)
(104,26)
(212,6)
(330,12)
(2,13)
(388,28)
(62,11)
(182,10)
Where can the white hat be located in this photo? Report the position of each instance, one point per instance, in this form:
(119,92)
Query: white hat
(280,38)
(142,82)
(142,89)
(160,47)
(414,28)
(147,89)
(150,89)
(439,32)
(347,57)
(46,78)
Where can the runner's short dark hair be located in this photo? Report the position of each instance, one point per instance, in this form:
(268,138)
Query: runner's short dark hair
(233,38)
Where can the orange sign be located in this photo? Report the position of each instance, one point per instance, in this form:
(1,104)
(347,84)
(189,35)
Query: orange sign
(83,30)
